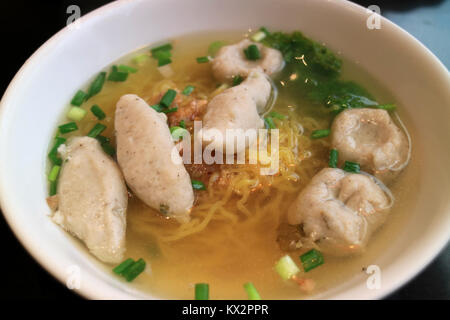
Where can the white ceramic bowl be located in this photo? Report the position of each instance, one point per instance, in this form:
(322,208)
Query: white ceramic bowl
(36,97)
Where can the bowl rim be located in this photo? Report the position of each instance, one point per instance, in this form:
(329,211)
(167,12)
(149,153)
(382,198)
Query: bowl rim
(94,289)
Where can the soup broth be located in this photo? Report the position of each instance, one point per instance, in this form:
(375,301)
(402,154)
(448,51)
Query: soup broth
(233,236)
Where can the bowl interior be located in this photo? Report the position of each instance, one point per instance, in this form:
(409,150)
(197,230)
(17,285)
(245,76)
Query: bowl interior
(35,100)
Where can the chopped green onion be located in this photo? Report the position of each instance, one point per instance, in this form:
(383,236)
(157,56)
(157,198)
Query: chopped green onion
(387,107)
(164,61)
(134,270)
(352,167)
(286,267)
(98,112)
(96,130)
(311,259)
(264,29)
(317,134)
(178,132)
(164,47)
(251,291)
(116,75)
(168,97)
(334,156)
(201,291)
(269,124)
(53,154)
(277,115)
(157,108)
(76,113)
(140,59)
(237,80)
(161,54)
(203,59)
(198,185)
(123,266)
(102,139)
(252,52)
(109,149)
(53,175)
(127,69)
(257,37)
(79,98)
(170,110)
(96,85)
(214,47)
(53,188)
(68,127)
(188,90)
(182,124)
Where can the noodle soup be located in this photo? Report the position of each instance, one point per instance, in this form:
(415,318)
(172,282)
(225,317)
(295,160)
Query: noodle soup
(237,230)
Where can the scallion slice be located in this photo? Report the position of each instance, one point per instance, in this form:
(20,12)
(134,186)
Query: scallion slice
(140,59)
(117,76)
(214,47)
(96,85)
(157,108)
(76,113)
(334,156)
(134,270)
(252,52)
(164,47)
(203,59)
(311,259)
(188,90)
(352,167)
(123,266)
(128,69)
(68,127)
(317,134)
(109,149)
(237,80)
(102,139)
(53,188)
(164,61)
(170,110)
(201,291)
(53,154)
(78,98)
(277,115)
(96,130)
(258,36)
(168,98)
(269,124)
(178,132)
(54,172)
(251,291)
(286,267)
(182,124)
(198,185)
(98,112)
(161,54)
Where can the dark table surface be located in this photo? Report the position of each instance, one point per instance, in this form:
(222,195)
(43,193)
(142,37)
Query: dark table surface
(25,25)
